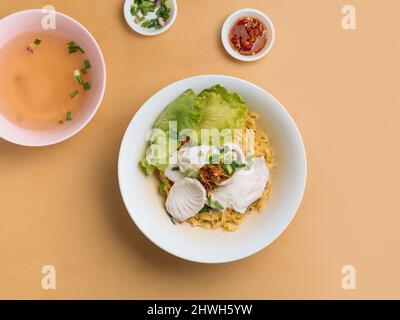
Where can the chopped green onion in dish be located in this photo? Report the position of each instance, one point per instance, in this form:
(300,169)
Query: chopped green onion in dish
(196,175)
(86,86)
(87,64)
(153,23)
(73,47)
(228,169)
(151,14)
(219,206)
(33,44)
(205,209)
(237,165)
(78,74)
(187,173)
(175,168)
(162,188)
(72,50)
(78,77)
(69,116)
(73,94)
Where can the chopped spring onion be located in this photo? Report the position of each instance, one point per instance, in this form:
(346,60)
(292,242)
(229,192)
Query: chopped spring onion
(73,94)
(228,169)
(134,9)
(175,168)
(78,77)
(87,64)
(160,10)
(162,188)
(237,165)
(73,47)
(69,116)
(37,41)
(150,23)
(219,206)
(187,172)
(249,161)
(86,86)
(196,175)
(205,209)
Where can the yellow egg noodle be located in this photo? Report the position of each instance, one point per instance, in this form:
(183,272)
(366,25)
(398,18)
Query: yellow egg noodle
(230,219)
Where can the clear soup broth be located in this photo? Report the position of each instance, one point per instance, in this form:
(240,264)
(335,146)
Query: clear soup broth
(38,88)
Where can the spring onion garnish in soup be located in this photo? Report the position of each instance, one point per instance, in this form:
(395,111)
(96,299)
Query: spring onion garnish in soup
(33,45)
(73,47)
(87,64)
(79,73)
(73,94)
(86,86)
(78,77)
(151,14)
(69,116)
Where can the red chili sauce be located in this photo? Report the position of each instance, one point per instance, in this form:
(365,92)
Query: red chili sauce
(248,36)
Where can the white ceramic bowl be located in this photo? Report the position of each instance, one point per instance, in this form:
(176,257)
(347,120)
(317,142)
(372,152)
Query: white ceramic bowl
(230,21)
(145,204)
(144,31)
(30,20)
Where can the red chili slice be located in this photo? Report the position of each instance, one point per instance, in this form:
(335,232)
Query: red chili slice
(249,25)
(235,42)
(242,21)
(246,45)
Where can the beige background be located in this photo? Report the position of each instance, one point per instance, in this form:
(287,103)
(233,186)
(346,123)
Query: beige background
(61,205)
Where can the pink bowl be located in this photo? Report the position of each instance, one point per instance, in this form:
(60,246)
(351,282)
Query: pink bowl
(29,20)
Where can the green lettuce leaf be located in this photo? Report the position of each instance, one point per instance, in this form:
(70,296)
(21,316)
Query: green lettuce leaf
(217,108)
(213,108)
(179,111)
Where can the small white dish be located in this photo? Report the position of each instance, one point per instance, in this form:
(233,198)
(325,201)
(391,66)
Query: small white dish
(229,23)
(130,19)
(146,206)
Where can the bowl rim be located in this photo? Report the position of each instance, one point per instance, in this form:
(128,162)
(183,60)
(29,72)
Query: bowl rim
(148,32)
(228,25)
(123,147)
(102,89)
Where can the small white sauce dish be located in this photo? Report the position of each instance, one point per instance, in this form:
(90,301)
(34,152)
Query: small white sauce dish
(230,22)
(130,19)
